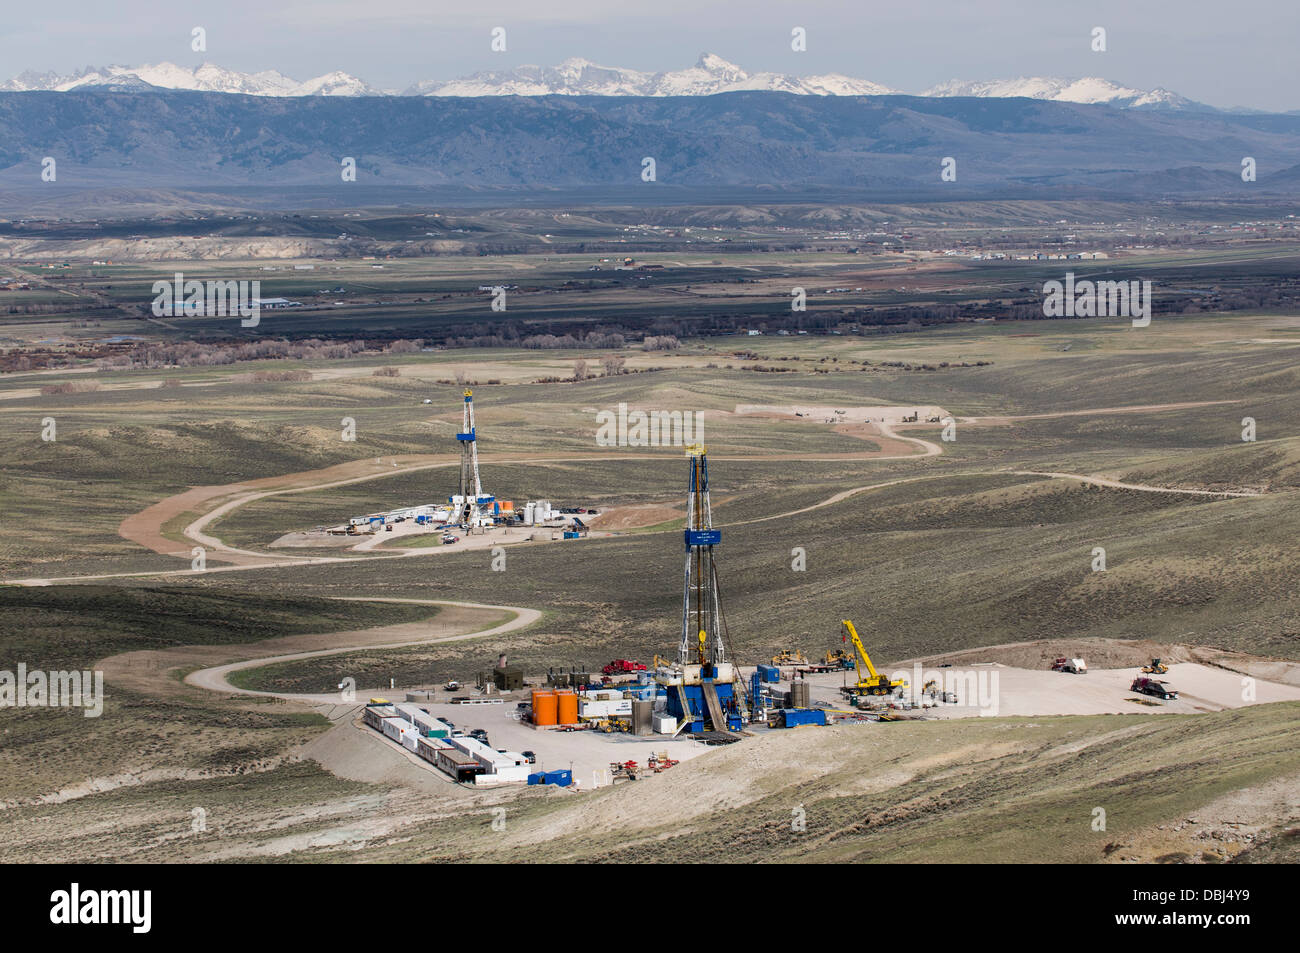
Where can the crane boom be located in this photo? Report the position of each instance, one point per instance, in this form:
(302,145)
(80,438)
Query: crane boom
(873,683)
(862,652)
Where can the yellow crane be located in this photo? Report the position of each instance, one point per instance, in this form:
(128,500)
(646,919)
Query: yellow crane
(873,683)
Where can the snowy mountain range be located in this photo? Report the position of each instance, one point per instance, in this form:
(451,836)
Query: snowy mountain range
(206,78)
(1090,89)
(578,77)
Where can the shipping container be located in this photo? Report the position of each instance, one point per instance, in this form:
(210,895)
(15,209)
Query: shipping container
(793,717)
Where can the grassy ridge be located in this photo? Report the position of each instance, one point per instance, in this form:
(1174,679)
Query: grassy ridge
(66,627)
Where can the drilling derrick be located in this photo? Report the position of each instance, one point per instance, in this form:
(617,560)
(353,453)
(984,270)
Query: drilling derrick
(468,504)
(701,609)
(702,688)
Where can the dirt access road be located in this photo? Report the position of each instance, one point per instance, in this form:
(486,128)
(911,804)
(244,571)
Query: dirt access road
(146,527)
(216,678)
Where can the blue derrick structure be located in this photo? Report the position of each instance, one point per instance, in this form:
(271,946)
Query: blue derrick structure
(708,695)
(471,502)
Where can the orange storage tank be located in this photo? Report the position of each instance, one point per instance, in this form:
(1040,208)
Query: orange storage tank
(568,707)
(507,506)
(543,708)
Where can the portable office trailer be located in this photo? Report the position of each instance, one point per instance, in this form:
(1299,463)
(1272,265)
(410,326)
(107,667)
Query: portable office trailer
(504,774)
(374,715)
(488,757)
(458,764)
(426,723)
(428,748)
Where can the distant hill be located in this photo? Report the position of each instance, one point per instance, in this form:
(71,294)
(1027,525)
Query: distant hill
(883,145)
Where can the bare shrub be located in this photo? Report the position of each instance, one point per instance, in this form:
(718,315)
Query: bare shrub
(261,377)
(71,387)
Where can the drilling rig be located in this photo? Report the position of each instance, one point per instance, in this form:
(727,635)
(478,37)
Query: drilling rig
(702,687)
(467,507)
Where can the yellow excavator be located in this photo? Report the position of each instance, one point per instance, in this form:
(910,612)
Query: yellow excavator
(840,659)
(789,657)
(1157,667)
(872,683)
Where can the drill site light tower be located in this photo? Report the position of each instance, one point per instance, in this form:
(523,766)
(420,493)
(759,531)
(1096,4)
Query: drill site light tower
(702,688)
(467,506)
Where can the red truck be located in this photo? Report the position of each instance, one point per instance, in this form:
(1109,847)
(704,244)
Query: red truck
(622,666)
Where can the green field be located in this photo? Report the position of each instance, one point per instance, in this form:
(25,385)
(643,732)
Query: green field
(971,547)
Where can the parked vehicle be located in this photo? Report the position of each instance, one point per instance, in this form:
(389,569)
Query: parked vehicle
(1153,687)
(530,756)
(1075,666)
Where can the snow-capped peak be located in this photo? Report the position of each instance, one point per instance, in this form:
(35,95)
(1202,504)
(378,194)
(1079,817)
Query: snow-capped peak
(712,63)
(205,78)
(581,77)
(1090,89)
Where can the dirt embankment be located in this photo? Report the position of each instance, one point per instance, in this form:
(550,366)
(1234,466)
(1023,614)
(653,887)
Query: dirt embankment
(635,515)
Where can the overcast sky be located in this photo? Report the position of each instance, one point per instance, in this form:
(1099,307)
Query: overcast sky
(1238,53)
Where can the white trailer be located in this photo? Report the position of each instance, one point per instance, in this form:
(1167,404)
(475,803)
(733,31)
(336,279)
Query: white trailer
(606,709)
